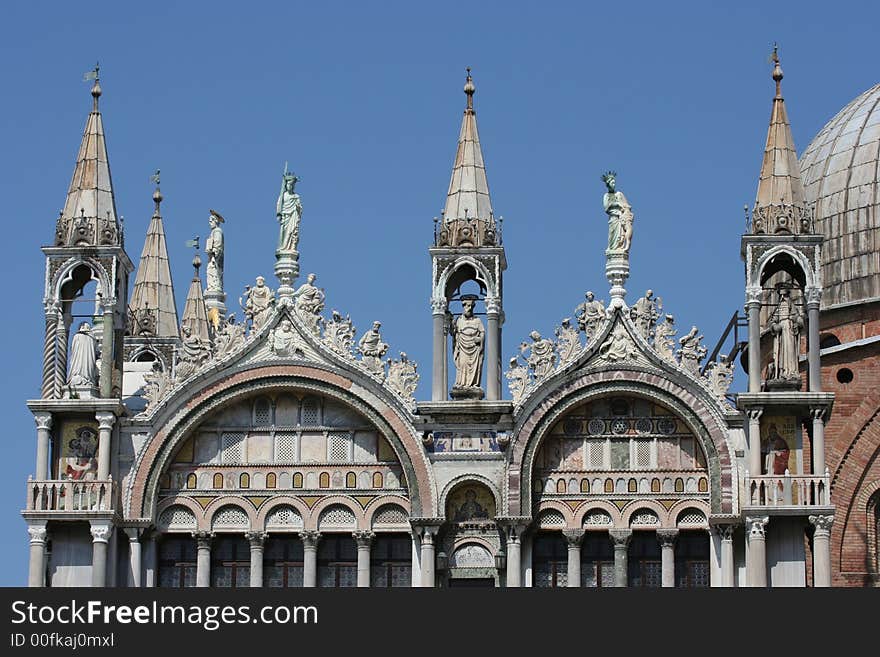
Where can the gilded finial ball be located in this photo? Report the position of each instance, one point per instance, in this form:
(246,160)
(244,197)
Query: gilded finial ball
(777,72)
(157,196)
(197,261)
(96,90)
(469,87)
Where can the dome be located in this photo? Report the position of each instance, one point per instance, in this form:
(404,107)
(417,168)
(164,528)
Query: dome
(840,175)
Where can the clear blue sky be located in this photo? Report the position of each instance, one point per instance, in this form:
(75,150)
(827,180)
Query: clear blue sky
(364,101)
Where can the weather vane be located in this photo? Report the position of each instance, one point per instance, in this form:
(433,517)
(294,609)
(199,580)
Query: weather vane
(93,74)
(155,178)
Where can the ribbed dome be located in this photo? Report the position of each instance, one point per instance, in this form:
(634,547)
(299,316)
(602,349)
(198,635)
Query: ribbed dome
(840,175)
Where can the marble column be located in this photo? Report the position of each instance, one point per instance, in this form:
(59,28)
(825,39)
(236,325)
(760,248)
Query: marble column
(438,373)
(666,538)
(37,567)
(101,532)
(725,534)
(818,441)
(310,539)
(814,378)
(620,539)
(44,427)
(428,561)
(203,558)
(754,443)
(574,537)
(134,554)
(255,539)
(364,540)
(753,307)
(105,431)
(493,349)
(151,563)
(416,575)
(513,577)
(821,550)
(107,348)
(756,565)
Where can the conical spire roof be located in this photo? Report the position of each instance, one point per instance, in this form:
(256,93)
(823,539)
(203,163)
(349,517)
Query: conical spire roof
(195,315)
(468,194)
(780,189)
(153,308)
(89,214)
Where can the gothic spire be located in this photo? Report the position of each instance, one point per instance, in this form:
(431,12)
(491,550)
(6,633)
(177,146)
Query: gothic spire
(195,315)
(468,195)
(89,214)
(153,308)
(780,205)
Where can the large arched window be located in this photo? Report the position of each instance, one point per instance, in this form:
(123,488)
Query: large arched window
(391,561)
(230,562)
(177,562)
(549,560)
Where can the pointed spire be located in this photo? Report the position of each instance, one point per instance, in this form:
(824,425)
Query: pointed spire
(89,215)
(780,205)
(153,308)
(468,195)
(195,315)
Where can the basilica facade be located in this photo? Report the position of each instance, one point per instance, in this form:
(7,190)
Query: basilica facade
(282,448)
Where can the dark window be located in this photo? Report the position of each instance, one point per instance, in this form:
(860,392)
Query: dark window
(283,562)
(337,561)
(644,560)
(844,375)
(177,561)
(230,562)
(828,340)
(549,560)
(597,560)
(391,561)
(692,560)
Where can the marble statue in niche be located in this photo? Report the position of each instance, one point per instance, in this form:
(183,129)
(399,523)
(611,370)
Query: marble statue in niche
(468,336)
(83,362)
(786,324)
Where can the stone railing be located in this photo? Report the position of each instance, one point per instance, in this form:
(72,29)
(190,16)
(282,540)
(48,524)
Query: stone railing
(70,495)
(788,490)
(603,482)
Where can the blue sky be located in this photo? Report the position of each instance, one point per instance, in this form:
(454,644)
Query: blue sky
(365,100)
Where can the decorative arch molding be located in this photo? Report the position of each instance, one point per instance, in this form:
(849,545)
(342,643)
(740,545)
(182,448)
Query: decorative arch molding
(632,507)
(555,505)
(314,517)
(700,416)
(483,275)
(187,503)
(597,505)
(464,541)
(471,478)
(676,509)
(224,501)
(812,271)
(279,501)
(184,413)
(64,274)
(140,350)
(377,503)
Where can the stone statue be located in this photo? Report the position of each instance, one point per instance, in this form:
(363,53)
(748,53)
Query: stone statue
(192,354)
(372,349)
(257,302)
(402,376)
(590,315)
(691,351)
(618,346)
(719,375)
(620,216)
(309,301)
(664,339)
(468,336)
(283,340)
(542,357)
(568,342)
(288,209)
(645,313)
(786,324)
(517,377)
(229,338)
(214,251)
(155,384)
(83,362)
(339,333)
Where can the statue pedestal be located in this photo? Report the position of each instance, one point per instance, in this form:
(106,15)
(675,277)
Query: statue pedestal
(617,272)
(82,392)
(793,383)
(287,271)
(467,393)
(215,304)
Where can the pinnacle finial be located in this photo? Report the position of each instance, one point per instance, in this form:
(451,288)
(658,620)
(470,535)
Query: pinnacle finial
(94,74)
(777,70)
(157,193)
(469,89)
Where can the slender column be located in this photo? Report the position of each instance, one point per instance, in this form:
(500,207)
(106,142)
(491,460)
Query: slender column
(514,556)
(757,556)
(134,553)
(667,537)
(364,540)
(725,533)
(150,561)
(44,426)
(493,349)
(310,539)
(203,558)
(574,537)
(818,440)
(60,356)
(814,296)
(255,539)
(620,539)
(755,442)
(100,536)
(105,432)
(37,567)
(107,353)
(428,562)
(416,576)
(438,372)
(822,550)
(50,355)
(753,307)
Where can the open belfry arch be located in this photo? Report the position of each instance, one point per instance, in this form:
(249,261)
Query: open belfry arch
(283,445)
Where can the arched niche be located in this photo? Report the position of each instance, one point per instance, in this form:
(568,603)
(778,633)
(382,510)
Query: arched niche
(470,502)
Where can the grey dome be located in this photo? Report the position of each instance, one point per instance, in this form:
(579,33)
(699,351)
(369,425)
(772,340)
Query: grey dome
(840,174)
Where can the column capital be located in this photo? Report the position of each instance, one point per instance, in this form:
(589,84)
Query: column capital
(439,305)
(822,524)
(37,533)
(755,413)
(819,412)
(43,420)
(666,537)
(755,525)
(105,420)
(573,537)
(813,297)
(134,533)
(724,531)
(255,538)
(363,537)
(620,537)
(753,296)
(203,539)
(310,538)
(493,305)
(513,527)
(100,532)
